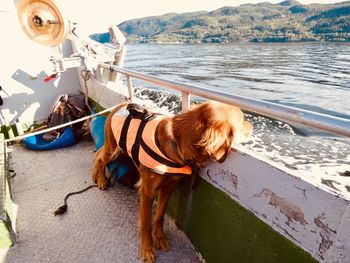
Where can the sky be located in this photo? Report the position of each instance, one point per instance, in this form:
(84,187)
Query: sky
(97,15)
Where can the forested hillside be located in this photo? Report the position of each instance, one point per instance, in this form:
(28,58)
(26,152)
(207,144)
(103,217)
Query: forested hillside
(288,21)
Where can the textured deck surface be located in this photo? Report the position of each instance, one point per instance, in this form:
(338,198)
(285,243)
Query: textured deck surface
(99,226)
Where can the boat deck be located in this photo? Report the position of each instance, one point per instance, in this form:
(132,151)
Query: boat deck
(99,226)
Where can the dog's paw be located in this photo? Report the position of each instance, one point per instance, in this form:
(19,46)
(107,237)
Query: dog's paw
(148,254)
(160,242)
(102,183)
(94,177)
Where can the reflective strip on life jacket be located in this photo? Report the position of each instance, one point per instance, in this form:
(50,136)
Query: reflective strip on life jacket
(144,150)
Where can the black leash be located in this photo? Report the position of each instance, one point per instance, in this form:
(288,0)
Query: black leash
(61,210)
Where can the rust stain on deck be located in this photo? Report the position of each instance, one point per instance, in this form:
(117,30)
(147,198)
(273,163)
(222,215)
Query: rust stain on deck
(290,210)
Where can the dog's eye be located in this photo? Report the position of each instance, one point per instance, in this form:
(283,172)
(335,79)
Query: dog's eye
(201,150)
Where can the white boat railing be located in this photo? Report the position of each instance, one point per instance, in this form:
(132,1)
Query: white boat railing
(327,123)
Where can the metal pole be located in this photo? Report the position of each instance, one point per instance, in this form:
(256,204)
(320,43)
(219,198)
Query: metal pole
(311,119)
(130,90)
(186,101)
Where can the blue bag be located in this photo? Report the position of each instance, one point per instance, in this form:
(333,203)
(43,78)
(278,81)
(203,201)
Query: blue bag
(36,142)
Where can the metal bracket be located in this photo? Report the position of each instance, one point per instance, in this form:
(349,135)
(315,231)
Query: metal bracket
(62,64)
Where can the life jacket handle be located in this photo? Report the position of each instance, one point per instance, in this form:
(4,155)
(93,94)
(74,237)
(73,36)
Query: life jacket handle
(138,112)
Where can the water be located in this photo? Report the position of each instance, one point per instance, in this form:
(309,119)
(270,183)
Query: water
(312,76)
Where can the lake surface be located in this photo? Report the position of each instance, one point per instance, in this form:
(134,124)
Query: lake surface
(312,76)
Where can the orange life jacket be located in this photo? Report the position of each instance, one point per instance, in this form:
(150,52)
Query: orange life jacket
(136,136)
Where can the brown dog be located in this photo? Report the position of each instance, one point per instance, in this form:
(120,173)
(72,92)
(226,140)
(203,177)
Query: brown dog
(194,138)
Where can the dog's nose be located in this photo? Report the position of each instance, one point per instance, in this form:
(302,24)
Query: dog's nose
(243,134)
(222,159)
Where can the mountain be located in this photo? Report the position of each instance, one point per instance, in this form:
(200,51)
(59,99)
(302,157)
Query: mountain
(286,21)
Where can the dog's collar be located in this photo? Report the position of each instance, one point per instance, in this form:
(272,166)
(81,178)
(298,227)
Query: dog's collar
(176,150)
(193,165)
(173,144)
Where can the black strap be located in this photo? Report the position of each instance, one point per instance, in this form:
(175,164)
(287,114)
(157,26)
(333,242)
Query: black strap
(124,133)
(159,158)
(136,146)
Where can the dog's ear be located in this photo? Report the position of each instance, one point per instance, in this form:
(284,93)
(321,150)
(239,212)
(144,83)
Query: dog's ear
(215,137)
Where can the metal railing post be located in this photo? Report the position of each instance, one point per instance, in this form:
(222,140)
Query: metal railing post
(186,101)
(130,89)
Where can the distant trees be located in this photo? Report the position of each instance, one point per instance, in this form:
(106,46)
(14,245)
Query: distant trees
(264,22)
